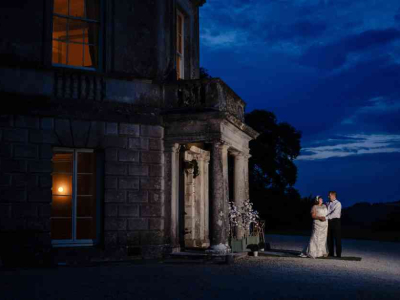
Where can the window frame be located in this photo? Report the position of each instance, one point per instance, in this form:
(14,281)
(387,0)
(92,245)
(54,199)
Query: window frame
(74,241)
(100,50)
(180,14)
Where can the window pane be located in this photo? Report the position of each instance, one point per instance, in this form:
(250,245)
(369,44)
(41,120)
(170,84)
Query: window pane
(61,229)
(178,66)
(86,162)
(62,184)
(86,207)
(62,163)
(75,30)
(93,9)
(75,55)
(77,8)
(60,28)
(86,185)
(61,207)
(61,7)
(85,229)
(59,55)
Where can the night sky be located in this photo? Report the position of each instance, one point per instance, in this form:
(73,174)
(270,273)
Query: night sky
(330,68)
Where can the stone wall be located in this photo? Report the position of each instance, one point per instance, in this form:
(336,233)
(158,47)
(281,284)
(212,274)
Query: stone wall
(133,199)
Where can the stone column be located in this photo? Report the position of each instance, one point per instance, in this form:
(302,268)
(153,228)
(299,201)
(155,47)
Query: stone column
(219,199)
(240,194)
(171,159)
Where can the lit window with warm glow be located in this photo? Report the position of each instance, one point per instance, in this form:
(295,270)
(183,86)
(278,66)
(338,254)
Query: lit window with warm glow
(180,57)
(76,25)
(73,215)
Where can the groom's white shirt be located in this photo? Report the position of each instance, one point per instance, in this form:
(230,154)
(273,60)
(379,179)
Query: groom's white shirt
(334,210)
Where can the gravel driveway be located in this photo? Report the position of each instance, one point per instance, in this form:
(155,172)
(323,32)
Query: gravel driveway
(377,276)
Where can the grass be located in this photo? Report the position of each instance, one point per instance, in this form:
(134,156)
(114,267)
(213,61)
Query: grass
(348,233)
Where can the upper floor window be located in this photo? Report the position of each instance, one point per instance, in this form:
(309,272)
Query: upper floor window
(180,57)
(76,26)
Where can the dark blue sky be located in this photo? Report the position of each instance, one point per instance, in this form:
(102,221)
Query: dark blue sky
(331,68)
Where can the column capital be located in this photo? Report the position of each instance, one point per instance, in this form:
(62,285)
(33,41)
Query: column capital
(172,147)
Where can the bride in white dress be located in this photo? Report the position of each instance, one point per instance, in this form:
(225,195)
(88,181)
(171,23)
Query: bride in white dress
(318,245)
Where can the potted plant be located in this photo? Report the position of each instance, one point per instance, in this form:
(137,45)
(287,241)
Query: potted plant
(254,249)
(261,245)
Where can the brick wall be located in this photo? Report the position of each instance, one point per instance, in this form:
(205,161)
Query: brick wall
(133,191)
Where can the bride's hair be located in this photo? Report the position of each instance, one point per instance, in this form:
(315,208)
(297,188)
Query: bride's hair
(316,201)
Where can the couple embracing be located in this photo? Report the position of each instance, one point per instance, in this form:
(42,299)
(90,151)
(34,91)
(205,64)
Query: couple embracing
(326,228)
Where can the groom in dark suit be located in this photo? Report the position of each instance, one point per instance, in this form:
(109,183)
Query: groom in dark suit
(334,226)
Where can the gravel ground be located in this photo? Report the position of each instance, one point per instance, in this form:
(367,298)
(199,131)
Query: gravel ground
(377,276)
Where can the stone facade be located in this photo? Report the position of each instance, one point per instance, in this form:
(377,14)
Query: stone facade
(142,123)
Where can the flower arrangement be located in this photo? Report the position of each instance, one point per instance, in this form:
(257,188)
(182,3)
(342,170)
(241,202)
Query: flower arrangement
(242,217)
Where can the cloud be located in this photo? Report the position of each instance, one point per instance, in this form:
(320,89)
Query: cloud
(335,55)
(350,145)
(223,39)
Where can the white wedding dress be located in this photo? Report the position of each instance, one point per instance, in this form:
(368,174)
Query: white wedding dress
(318,245)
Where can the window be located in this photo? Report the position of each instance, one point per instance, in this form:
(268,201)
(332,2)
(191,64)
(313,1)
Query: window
(180,58)
(74,205)
(76,26)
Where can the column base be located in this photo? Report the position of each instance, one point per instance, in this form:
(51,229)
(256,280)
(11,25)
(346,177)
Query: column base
(220,249)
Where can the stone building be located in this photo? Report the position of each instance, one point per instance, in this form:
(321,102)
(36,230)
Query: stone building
(111,145)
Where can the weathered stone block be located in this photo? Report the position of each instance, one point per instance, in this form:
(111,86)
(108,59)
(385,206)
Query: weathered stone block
(115,223)
(63,131)
(12,195)
(138,170)
(40,166)
(26,121)
(111,154)
(138,196)
(129,129)
(6,120)
(131,210)
(39,224)
(111,182)
(139,143)
(156,170)
(113,168)
(152,183)
(40,195)
(122,238)
(96,134)
(80,132)
(115,196)
(46,152)
(128,155)
(45,210)
(138,224)
(151,237)
(156,224)
(43,137)
(12,224)
(47,123)
(128,183)
(156,197)
(111,128)
(5,179)
(112,141)
(151,210)
(151,157)
(15,135)
(151,131)
(111,210)
(10,166)
(133,238)
(25,151)
(5,210)
(111,238)
(22,210)
(24,180)
(155,144)
(5,150)
(45,181)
